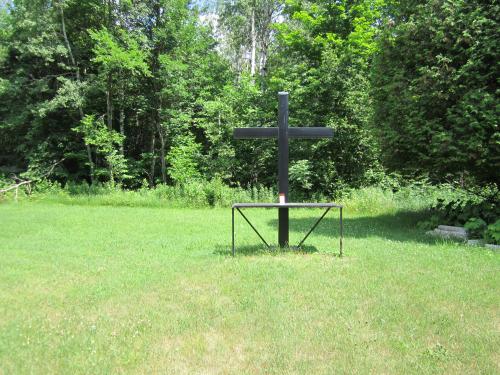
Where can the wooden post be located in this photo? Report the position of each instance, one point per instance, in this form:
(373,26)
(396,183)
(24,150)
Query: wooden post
(283,166)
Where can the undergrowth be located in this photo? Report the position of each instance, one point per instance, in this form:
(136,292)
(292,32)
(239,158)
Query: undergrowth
(369,200)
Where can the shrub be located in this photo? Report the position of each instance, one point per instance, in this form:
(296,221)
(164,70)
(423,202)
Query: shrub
(492,233)
(184,160)
(474,208)
(300,175)
(475,227)
(478,203)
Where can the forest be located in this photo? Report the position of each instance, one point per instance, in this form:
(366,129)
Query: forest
(142,93)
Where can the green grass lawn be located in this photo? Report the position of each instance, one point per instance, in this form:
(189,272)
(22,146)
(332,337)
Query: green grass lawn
(113,289)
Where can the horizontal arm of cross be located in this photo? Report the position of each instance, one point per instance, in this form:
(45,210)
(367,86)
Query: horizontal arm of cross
(305,132)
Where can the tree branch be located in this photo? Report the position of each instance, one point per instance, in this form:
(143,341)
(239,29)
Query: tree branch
(27,182)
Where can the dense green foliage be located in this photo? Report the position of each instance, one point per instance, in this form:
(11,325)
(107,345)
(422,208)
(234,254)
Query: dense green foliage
(127,91)
(436,90)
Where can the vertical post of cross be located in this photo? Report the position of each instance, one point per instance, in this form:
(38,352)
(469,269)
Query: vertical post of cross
(283,166)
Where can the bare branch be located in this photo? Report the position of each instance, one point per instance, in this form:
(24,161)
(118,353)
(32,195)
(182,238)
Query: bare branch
(16,186)
(20,182)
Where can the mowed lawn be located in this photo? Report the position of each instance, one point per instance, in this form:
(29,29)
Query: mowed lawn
(94,290)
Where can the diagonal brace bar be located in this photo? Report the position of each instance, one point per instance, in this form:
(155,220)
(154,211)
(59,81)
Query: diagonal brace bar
(255,230)
(314,226)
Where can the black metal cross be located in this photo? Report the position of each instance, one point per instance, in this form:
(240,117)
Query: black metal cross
(283,133)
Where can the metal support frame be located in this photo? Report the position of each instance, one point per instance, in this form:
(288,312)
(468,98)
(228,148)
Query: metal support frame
(255,230)
(302,241)
(341,231)
(314,226)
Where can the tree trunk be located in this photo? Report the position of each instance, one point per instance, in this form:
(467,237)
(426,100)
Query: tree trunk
(78,78)
(162,156)
(109,119)
(263,59)
(254,44)
(157,94)
(109,103)
(110,13)
(155,91)
(122,131)
(122,124)
(153,159)
(91,163)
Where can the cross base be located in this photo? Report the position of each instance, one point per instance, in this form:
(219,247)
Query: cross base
(282,207)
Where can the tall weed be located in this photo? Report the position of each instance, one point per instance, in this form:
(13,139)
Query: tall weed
(371,200)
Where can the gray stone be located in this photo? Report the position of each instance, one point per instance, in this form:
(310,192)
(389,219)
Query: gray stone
(475,242)
(493,247)
(450,228)
(448,234)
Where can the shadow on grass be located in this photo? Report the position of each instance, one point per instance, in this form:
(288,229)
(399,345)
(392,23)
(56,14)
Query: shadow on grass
(248,250)
(400,226)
